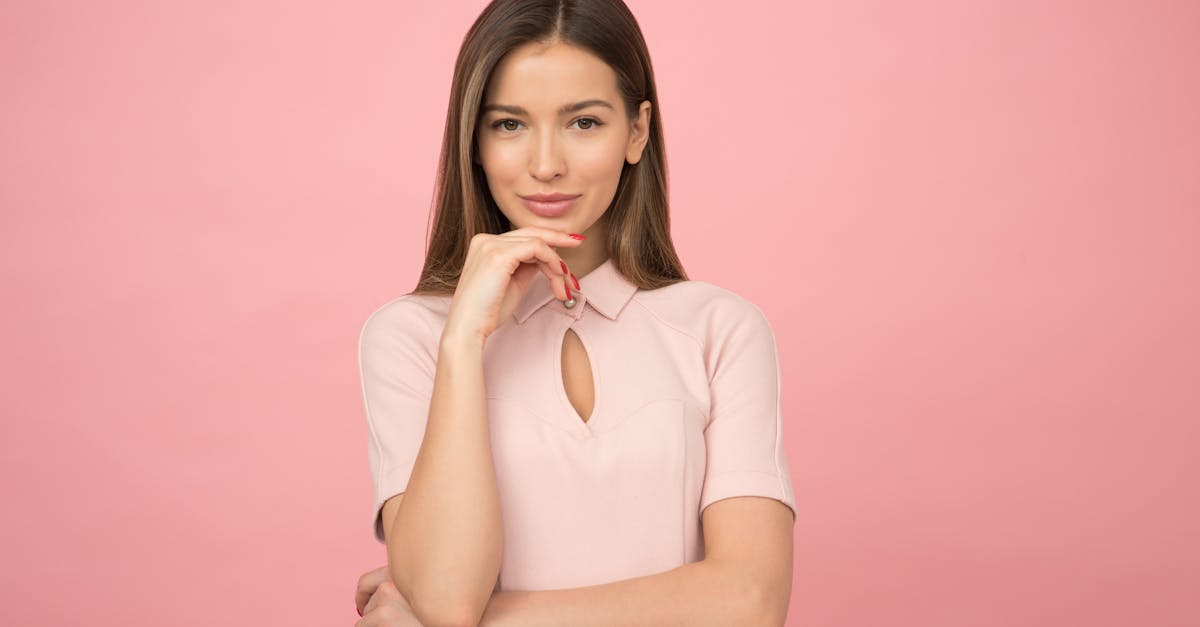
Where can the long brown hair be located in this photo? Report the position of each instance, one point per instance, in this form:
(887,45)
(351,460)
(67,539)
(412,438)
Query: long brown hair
(639,235)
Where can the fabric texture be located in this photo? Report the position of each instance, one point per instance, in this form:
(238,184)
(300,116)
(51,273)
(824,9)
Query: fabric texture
(686,413)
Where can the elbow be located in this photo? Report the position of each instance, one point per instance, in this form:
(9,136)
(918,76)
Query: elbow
(445,613)
(435,605)
(766,608)
(446,616)
(442,610)
(444,620)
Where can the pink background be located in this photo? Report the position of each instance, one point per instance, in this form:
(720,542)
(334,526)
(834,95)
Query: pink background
(973,225)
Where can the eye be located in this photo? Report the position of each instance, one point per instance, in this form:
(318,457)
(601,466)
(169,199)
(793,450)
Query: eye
(496,124)
(591,123)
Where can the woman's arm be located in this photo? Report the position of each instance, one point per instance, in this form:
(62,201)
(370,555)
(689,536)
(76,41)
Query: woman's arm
(444,543)
(695,594)
(745,579)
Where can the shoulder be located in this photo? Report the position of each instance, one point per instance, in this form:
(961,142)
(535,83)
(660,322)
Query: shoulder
(407,326)
(703,309)
(406,314)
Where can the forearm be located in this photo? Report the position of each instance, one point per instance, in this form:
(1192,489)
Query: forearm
(445,544)
(696,594)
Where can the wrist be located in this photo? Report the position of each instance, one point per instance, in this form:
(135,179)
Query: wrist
(458,341)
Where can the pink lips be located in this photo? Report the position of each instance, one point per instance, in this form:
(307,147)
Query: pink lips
(550,205)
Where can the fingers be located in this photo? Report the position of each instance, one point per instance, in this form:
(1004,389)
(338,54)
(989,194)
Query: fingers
(367,584)
(553,237)
(551,265)
(380,597)
(372,603)
(387,608)
(361,596)
(542,252)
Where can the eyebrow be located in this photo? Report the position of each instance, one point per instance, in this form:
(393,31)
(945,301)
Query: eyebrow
(563,110)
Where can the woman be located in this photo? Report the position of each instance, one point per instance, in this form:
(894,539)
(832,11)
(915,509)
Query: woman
(554,408)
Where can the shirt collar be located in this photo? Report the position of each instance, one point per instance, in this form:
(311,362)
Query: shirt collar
(604,288)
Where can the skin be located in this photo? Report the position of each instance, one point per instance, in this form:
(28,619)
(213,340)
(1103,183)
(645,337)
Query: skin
(581,152)
(745,578)
(537,151)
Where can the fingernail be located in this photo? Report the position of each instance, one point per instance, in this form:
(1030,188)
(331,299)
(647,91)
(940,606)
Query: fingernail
(575,280)
(358,610)
(567,272)
(576,236)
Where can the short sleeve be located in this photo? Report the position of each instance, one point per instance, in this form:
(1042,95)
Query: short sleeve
(744,435)
(397,362)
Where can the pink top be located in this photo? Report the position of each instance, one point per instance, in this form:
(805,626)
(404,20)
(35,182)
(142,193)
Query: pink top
(686,413)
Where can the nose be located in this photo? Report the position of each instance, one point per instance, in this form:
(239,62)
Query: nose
(546,161)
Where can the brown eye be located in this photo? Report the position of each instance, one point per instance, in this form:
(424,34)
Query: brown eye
(591,123)
(505,122)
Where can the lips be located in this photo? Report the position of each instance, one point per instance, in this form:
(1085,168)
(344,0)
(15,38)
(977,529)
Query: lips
(549,205)
(550,197)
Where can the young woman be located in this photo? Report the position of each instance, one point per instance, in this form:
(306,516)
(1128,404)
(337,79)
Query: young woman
(553,410)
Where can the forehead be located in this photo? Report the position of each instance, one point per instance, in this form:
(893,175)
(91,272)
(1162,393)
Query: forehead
(543,76)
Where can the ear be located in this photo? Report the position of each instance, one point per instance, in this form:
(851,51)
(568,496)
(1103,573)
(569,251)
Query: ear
(639,133)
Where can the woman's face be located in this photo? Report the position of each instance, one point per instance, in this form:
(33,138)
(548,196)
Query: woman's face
(530,144)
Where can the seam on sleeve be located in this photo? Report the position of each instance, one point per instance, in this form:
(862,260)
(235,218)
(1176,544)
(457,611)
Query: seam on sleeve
(686,518)
(380,465)
(779,450)
(362,380)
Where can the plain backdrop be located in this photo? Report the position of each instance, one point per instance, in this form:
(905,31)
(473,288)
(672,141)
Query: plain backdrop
(973,226)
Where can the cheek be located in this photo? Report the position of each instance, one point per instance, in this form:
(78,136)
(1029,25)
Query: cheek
(602,162)
(498,158)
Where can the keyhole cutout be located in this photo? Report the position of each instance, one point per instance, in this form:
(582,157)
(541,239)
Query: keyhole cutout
(577,375)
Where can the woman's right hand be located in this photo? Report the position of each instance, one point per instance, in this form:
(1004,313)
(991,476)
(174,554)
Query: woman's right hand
(497,272)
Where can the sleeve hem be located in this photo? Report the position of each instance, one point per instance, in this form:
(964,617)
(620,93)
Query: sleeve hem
(391,483)
(746,483)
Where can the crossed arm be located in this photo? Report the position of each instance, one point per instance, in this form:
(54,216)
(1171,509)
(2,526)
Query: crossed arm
(744,579)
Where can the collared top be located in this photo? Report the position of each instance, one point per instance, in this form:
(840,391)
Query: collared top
(686,413)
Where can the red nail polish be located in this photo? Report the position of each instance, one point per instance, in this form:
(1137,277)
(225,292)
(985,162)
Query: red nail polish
(564,267)
(575,280)
(576,236)
(358,610)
